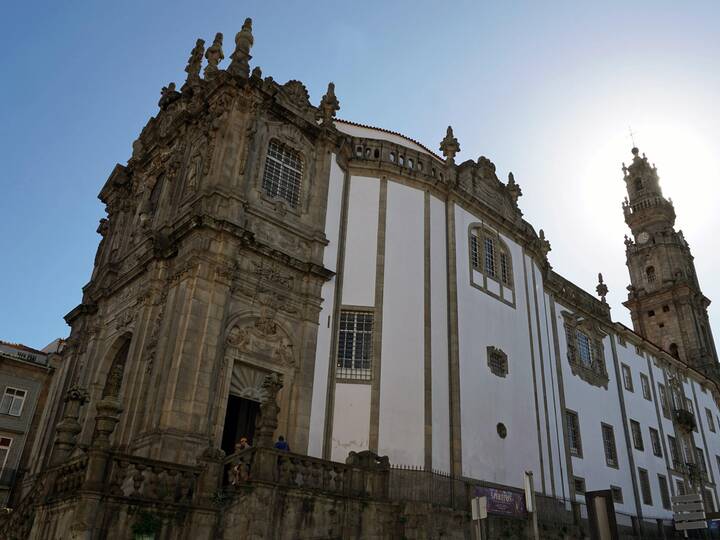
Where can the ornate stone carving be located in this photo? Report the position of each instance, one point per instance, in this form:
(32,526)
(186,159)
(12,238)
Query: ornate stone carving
(544,244)
(497,361)
(263,339)
(271,274)
(329,105)
(195,62)
(588,363)
(601,289)
(241,56)
(449,146)
(513,188)
(68,428)
(297,94)
(367,459)
(214,55)
(267,421)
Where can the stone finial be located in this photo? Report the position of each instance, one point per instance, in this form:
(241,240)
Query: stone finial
(240,64)
(329,105)
(195,62)
(544,244)
(513,188)
(628,241)
(267,422)
(168,94)
(449,146)
(601,289)
(214,55)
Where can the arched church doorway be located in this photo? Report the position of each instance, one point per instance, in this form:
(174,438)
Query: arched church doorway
(240,416)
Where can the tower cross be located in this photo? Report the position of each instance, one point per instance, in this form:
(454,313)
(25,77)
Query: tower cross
(632,136)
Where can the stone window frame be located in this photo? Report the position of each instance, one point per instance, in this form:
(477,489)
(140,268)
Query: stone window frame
(289,149)
(295,139)
(645,387)
(479,237)
(609,444)
(627,378)
(595,372)
(579,485)
(495,353)
(363,376)
(617,494)
(577,450)
(10,396)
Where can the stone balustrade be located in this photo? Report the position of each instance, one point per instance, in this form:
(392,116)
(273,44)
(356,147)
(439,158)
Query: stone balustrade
(141,478)
(69,477)
(299,471)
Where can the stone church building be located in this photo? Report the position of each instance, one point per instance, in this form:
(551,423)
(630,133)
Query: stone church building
(268,269)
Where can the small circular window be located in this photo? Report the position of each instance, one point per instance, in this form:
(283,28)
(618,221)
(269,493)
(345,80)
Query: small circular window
(501,430)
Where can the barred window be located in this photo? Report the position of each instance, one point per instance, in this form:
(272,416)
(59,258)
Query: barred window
(627,378)
(504,268)
(490,257)
(637,435)
(645,383)
(12,401)
(584,347)
(579,485)
(701,460)
(664,493)
(283,173)
(645,486)
(655,441)
(474,252)
(573,433)
(355,345)
(608,436)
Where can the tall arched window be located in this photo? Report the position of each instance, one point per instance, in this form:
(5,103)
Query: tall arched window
(113,381)
(638,184)
(283,173)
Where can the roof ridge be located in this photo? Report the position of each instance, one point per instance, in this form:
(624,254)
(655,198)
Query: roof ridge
(391,132)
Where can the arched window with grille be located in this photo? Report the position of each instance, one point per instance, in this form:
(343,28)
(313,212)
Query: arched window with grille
(283,174)
(650,274)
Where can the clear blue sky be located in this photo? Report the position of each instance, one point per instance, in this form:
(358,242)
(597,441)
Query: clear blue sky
(545,89)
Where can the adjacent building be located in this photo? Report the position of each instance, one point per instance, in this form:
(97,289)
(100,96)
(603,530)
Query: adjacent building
(25,376)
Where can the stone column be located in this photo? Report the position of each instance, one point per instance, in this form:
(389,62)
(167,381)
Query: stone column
(267,423)
(68,428)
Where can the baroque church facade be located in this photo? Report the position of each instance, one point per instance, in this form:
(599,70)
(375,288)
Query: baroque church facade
(267,269)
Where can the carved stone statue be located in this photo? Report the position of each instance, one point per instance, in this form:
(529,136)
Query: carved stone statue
(214,55)
(168,94)
(601,289)
(240,64)
(329,105)
(195,61)
(367,460)
(449,146)
(267,421)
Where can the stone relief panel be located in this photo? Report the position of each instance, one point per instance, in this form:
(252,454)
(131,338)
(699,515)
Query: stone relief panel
(262,340)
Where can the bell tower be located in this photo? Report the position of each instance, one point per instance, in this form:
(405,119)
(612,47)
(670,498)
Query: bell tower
(664,296)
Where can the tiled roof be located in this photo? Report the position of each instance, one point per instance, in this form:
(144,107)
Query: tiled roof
(421,145)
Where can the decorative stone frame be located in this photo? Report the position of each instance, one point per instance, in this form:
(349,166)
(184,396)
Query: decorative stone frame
(479,277)
(294,139)
(497,361)
(595,373)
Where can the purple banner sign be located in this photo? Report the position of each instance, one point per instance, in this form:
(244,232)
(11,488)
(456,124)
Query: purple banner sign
(503,502)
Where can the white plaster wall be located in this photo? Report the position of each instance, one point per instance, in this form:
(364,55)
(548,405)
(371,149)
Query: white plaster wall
(596,405)
(324,337)
(402,391)
(439,340)
(643,411)
(351,420)
(361,242)
(486,399)
(711,442)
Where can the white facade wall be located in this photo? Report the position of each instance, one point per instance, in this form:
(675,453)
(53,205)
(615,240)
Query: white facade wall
(412,424)
(324,337)
(402,391)
(485,399)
